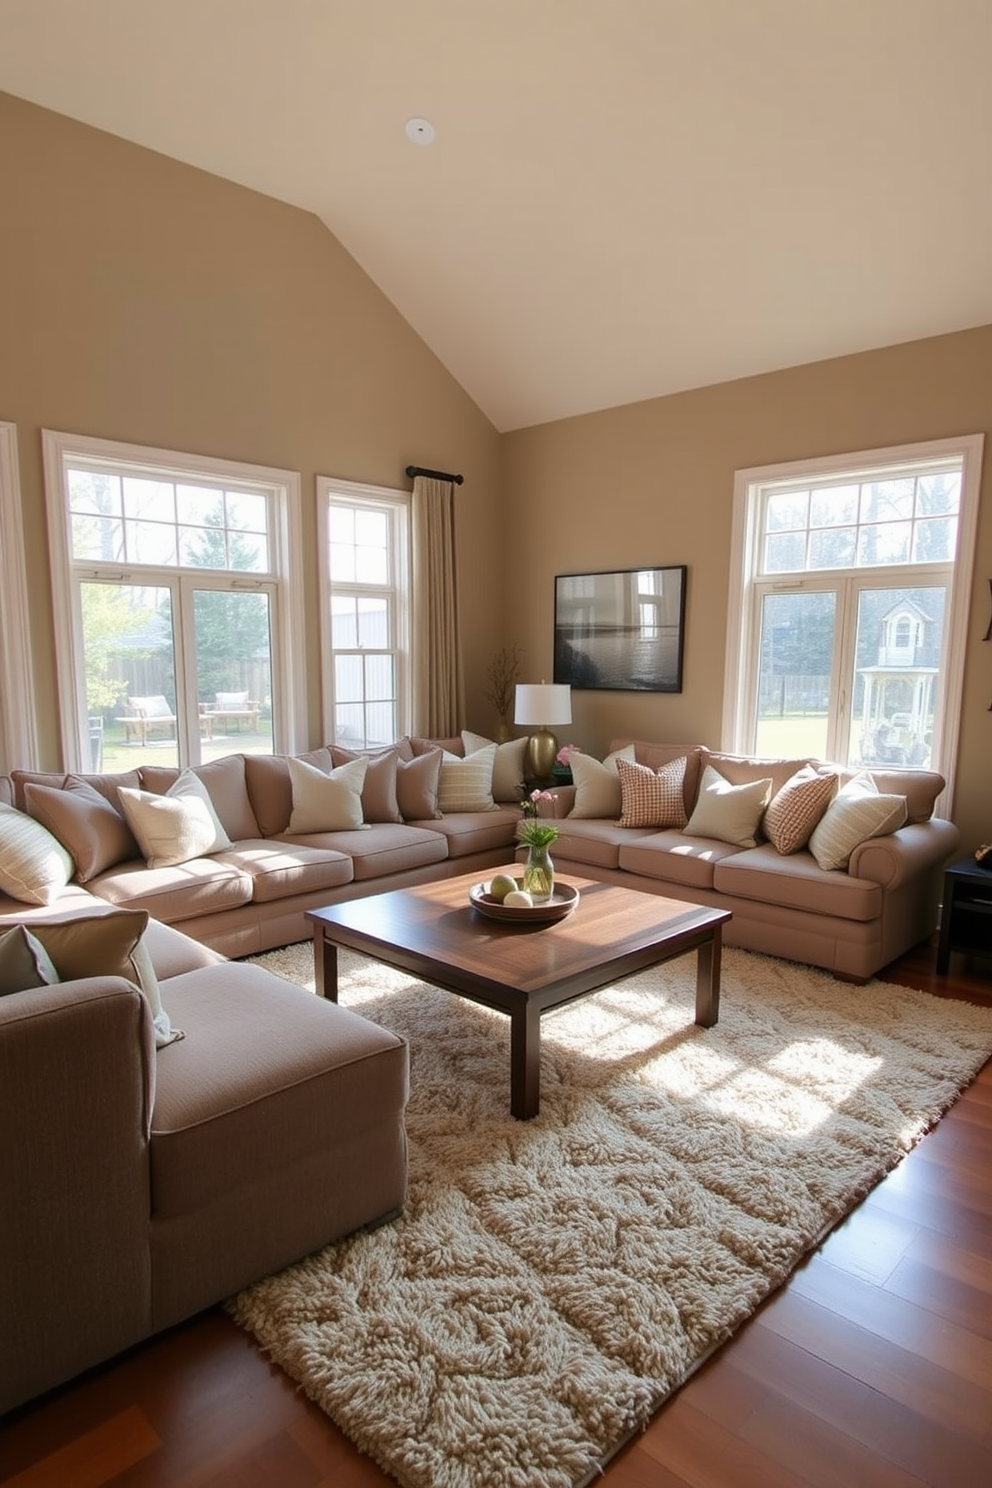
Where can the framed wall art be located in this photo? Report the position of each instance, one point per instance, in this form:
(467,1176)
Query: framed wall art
(621,631)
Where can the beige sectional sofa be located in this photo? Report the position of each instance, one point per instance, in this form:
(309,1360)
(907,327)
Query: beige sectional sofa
(852,919)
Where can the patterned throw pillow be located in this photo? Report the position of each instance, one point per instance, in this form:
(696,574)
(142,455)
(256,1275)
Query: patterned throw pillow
(34,866)
(794,811)
(467,784)
(649,798)
(857,812)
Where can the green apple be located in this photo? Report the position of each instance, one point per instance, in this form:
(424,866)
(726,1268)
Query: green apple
(502,885)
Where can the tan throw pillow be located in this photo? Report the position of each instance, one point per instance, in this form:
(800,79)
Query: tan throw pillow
(508,769)
(108,945)
(728,813)
(326,803)
(379,802)
(467,784)
(89,828)
(416,786)
(652,798)
(794,811)
(176,827)
(24,962)
(34,866)
(597,784)
(857,812)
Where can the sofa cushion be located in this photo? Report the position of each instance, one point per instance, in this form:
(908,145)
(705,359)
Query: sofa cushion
(508,769)
(597,784)
(467,784)
(726,812)
(470,832)
(797,882)
(110,944)
(34,866)
(176,827)
(857,812)
(794,811)
(326,802)
(270,790)
(249,1090)
(24,962)
(652,798)
(380,849)
(93,832)
(379,800)
(593,843)
(416,785)
(675,858)
(201,886)
(278,869)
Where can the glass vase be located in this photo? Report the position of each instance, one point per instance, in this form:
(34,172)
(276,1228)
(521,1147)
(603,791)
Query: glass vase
(539,874)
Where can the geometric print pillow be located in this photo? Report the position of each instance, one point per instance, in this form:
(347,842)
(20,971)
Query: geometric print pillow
(794,812)
(650,799)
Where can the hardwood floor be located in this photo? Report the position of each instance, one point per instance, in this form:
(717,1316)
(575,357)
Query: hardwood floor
(871,1367)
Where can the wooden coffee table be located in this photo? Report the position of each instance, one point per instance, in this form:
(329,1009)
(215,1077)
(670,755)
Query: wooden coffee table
(523,970)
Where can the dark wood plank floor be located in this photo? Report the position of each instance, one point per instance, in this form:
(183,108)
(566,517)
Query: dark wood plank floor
(871,1367)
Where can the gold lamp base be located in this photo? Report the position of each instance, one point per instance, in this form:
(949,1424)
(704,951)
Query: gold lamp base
(541,750)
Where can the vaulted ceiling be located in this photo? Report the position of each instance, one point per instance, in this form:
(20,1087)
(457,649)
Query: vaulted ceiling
(624,198)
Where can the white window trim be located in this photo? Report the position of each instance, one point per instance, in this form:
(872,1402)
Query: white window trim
(18,739)
(740,633)
(59,450)
(328,486)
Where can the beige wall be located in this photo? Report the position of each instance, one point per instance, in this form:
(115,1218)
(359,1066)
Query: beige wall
(653,483)
(143,300)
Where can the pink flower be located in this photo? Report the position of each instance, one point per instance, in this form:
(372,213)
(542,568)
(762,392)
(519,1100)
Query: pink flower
(565,753)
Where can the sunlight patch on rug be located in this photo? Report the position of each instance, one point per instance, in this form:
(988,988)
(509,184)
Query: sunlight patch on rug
(551,1282)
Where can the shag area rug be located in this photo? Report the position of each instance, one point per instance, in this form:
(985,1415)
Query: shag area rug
(551,1282)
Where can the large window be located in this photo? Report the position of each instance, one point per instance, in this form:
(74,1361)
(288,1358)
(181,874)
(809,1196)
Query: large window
(365,606)
(175,644)
(851,578)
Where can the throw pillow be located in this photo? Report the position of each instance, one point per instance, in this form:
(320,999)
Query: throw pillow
(728,813)
(857,812)
(326,803)
(34,866)
(92,831)
(652,798)
(508,770)
(24,962)
(416,786)
(108,945)
(176,827)
(467,784)
(379,803)
(794,811)
(597,784)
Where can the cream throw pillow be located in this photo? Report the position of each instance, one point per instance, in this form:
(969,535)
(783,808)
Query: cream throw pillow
(652,798)
(508,769)
(597,784)
(34,866)
(728,813)
(326,803)
(857,812)
(467,784)
(175,827)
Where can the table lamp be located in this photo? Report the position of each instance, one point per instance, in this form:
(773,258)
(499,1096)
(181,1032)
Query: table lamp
(539,705)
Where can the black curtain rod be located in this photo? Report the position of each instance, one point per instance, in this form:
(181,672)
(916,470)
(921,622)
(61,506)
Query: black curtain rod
(413,470)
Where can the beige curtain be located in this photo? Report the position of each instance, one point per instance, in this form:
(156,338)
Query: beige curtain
(438,694)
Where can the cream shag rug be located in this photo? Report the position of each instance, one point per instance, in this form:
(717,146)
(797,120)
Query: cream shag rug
(551,1282)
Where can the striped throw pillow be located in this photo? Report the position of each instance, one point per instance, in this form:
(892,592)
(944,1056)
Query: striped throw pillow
(467,784)
(652,798)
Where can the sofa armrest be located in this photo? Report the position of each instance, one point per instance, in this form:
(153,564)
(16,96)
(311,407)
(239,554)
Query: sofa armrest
(905,854)
(77,1081)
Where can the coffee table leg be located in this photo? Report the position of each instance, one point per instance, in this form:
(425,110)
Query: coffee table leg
(325,966)
(708,980)
(525,1062)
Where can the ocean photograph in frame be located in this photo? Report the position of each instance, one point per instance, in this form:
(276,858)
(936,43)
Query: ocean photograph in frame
(621,631)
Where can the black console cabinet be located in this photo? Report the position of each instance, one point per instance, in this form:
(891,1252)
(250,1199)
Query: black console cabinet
(966,916)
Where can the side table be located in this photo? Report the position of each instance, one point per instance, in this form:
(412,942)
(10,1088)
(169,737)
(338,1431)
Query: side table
(966,915)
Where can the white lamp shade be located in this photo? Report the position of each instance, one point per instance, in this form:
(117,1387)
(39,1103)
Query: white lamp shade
(541,704)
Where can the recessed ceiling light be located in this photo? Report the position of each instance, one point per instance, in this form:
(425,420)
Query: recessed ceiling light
(421,131)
